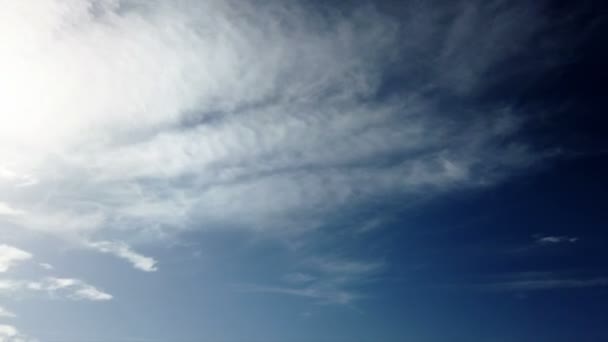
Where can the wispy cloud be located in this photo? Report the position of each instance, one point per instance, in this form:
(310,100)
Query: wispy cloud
(530,281)
(547,284)
(198,113)
(298,278)
(268,117)
(323,295)
(9,333)
(46,266)
(15,179)
(7,210)
(10,256)
(328,281)
(6,313)
(122,250)
(265,117)
(552,239)
(69,288)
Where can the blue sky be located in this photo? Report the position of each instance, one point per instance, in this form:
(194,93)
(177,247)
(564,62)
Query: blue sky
(302,171)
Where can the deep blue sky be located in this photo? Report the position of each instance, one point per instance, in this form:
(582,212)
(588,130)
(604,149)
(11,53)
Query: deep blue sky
(419,171)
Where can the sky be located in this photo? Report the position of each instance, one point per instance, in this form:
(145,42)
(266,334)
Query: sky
(227,171)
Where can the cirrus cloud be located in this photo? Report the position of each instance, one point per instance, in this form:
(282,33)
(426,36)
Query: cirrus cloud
(54,287)
(207,115)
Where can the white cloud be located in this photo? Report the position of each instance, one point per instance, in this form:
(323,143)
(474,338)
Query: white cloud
(122,250)
(9,333)
(69,288)
(529,281)
(46,266)
(205,114)
(91,293)
(347,268)
(18,180)
(544,284)
(298,278)
(549,240)
(9,285)
(6,313)
(10,256)
(322,295)
(329,281)
(7,210)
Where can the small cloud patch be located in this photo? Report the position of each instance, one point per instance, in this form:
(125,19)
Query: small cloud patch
(10,256)
(68,288)
(552,240)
